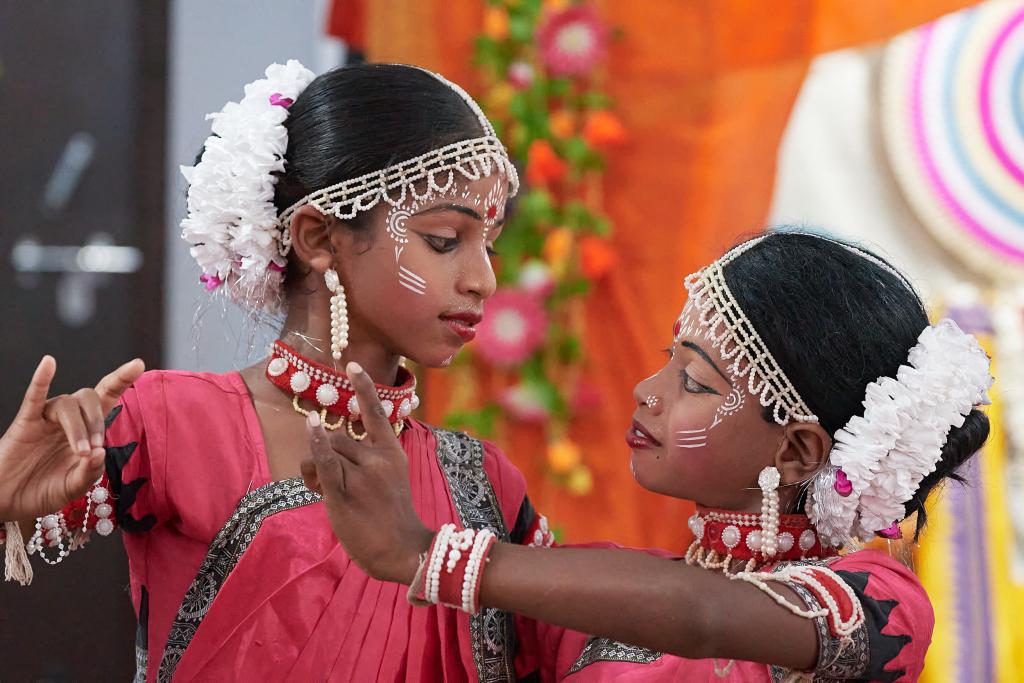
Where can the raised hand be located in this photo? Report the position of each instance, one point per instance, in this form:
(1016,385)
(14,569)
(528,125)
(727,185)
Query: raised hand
(365,485)
(53,451)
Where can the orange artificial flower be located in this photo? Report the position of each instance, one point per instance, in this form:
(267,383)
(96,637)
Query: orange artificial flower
(563,456)
(555,5)
(597,257)
(496,23)
(581,481)
(543,165)
(557,248)
(604,129)
(562,124)
(500,96)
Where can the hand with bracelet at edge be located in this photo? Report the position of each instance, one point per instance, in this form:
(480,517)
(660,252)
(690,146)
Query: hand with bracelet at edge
(53,450)
(365,485)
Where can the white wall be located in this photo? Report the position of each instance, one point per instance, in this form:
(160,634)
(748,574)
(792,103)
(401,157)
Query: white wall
(215,48)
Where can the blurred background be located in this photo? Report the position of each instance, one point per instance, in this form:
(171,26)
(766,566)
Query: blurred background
(651,136)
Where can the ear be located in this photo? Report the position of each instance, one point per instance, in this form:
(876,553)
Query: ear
(804,449)
(311,238)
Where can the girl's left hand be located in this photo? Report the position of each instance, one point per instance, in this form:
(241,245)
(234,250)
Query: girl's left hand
(365,485)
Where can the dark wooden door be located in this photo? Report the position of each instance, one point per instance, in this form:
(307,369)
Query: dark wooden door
(82,110)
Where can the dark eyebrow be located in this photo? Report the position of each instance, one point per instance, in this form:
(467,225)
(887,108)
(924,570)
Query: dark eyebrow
(700,352)
(457,208)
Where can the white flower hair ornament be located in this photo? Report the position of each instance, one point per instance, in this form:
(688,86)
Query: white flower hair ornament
(879,458)
(232,222)
(237,236)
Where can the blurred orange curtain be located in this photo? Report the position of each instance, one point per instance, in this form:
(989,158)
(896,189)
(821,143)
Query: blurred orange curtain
(705,88)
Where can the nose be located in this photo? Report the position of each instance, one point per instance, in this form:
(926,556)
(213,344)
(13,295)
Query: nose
(477,276)
(645,396)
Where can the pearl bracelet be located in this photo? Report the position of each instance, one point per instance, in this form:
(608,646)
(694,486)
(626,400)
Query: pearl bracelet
(434,564)
(471,581)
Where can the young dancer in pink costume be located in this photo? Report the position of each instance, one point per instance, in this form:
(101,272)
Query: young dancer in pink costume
(806,403)
(361,205)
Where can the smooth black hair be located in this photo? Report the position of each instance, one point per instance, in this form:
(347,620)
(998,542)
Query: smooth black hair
(836,320)
(361,118)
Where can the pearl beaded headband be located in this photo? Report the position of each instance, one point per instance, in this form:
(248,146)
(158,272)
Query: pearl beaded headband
(234,230)
(474,159)
(727,324)
(735,337)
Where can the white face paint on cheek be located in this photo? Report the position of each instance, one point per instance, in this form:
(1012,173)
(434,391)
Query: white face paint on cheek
(399,232)
(692,438)
(411,281)
(398,217)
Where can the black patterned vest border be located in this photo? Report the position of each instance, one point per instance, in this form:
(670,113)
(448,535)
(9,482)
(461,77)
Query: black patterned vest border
(142,638)
(607,650)
(837,660)
(227,548)
(492,632)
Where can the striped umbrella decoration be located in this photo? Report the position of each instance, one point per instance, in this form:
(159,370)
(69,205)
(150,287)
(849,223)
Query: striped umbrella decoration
(953,124)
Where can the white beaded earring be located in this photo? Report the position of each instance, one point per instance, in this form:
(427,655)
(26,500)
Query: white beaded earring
(339,314)
(769,480)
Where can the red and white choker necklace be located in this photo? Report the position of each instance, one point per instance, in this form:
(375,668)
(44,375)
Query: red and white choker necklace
(723,537)
(332,393)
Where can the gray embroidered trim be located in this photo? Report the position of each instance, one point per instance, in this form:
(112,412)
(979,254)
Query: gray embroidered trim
(607,650)
(141,663)
(491,630)
(837,661)
(227,548)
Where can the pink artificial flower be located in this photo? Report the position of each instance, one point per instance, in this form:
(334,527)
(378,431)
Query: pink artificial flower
(585,398)
(535,277)
(520,74)
(524,404)
(278,100)
(843,486)
(211,282)
(572,41)
(515,326)
(893,532)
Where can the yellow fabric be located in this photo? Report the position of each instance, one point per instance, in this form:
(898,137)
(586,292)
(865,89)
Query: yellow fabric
(936,559)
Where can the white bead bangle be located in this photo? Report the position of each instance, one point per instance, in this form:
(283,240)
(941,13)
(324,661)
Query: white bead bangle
(473,570)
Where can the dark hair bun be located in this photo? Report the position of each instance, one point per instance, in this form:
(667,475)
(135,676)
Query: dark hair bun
(836,317)
(961,445)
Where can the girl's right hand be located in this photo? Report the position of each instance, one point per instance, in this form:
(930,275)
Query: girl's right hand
(53,451)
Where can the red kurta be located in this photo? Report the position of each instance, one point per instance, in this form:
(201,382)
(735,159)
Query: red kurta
(236,577)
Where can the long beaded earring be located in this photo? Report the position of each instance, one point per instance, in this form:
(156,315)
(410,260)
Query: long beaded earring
(768,480)
(339,313)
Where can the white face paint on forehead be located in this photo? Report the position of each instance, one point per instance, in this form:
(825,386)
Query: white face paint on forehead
(488,206)
(688,326)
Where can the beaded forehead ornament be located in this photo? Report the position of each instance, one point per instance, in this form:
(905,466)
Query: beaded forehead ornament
(235,232)
(472,159)
(735,337)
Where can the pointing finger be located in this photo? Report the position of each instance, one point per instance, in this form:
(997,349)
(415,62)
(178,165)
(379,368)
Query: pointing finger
(38,388)
(375,421)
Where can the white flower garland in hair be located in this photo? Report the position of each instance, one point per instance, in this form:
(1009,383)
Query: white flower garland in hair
(232,222)
(880,458)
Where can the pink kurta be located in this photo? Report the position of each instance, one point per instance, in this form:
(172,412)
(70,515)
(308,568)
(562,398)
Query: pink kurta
(890,646)
(235,577)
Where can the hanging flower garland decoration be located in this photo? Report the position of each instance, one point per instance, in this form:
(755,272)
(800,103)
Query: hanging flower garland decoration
(541,64)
